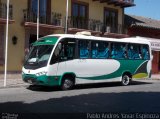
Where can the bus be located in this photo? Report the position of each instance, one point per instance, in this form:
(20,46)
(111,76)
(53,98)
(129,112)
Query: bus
(66,60)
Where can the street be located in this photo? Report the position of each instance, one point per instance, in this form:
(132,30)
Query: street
(142,96)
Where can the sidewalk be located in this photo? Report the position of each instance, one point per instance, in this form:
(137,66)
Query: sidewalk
(156,76)
(15,80)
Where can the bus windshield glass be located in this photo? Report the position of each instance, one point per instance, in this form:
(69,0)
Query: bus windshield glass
(38,56)
(40,52)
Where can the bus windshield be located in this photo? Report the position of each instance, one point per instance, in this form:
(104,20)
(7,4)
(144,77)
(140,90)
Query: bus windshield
(38,56)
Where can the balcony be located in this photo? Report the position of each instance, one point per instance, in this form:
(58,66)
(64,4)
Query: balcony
(51,21)
(121,3)
(3,13)
(77,24)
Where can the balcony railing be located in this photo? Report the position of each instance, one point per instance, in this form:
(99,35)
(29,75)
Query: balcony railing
(78,22)
(49,19)
(3,11)
(93,25)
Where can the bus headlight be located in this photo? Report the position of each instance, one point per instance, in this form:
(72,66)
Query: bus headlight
(41,73)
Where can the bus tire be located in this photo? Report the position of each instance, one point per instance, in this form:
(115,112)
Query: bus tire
(67,83)
(125,80)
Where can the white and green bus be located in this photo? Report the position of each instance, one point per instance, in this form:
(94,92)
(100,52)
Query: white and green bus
(67,60)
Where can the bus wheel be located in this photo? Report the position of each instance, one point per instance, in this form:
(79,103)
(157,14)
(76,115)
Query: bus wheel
(125,80)
(67,83)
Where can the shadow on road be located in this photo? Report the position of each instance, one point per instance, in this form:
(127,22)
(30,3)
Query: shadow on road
(43,88)
(78,106)
(85,86)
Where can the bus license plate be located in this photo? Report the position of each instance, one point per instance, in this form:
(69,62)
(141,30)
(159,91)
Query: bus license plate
(30,81)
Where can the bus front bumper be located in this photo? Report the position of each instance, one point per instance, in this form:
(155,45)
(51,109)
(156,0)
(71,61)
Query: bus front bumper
(43,80)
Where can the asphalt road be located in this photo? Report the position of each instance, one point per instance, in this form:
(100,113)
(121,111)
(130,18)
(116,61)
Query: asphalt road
(88,100)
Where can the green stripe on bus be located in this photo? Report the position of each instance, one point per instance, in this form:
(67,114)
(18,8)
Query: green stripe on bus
(125,66)
(46,41)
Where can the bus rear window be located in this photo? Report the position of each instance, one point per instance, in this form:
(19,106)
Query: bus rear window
(145,52)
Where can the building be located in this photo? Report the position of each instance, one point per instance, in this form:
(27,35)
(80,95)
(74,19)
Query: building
(148,28)
(96,16)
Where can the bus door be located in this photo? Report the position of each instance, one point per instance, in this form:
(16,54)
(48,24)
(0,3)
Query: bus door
(66,56)
(57,64)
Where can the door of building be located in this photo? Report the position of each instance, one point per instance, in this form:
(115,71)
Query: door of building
(159,62)
(155,62)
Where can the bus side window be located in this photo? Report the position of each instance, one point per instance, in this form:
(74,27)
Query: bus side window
(122,51)
(118,51)
(113,51)
(131,52)
(83,49)
(103,50)
(145,52)
(94,47)
(66,52)
(55,56)
(134,51)
(68,49)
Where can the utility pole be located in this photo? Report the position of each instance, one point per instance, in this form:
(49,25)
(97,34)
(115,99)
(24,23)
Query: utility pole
(66,17)
(38,20)
(6,49)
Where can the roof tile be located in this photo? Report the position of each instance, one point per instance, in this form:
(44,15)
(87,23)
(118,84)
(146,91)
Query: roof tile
(132,20)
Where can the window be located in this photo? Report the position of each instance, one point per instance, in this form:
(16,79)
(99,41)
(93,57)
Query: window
(44,9)
(2,51)
(145,52)
(64,51)
(118,51)
(111,20)
(79,14)
(79,9)
(134,51)
(67,51)
(38,56)
(83,49)
(99,50)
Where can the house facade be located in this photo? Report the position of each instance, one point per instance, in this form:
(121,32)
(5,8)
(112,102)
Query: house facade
(148,28)
(97,16)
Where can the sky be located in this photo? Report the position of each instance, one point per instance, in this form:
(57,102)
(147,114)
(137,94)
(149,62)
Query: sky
(146,8)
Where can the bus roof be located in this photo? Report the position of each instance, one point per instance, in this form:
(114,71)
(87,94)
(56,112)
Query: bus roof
(52,39)
(136,39)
